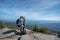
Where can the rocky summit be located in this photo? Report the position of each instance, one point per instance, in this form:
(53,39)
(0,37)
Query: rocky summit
(34,36)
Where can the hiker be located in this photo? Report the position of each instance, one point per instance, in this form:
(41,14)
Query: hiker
(21,23)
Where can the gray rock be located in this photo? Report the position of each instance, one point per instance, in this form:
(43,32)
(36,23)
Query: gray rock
(6,35)
(39,36)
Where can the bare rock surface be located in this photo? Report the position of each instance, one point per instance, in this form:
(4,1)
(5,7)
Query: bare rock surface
(39,36)
(34,36)
(7,34)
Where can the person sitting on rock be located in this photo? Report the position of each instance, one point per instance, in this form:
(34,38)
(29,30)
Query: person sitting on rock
(21,23)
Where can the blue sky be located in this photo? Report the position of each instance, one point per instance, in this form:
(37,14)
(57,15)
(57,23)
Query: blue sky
(30,9)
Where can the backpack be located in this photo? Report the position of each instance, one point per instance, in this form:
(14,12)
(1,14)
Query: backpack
(18,22)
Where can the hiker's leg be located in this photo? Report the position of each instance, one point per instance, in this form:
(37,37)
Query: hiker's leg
(23,28)
(20,29)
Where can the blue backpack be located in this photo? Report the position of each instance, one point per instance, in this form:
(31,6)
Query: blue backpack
(18,22)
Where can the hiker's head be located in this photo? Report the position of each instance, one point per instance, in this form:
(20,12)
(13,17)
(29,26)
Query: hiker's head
(22,18)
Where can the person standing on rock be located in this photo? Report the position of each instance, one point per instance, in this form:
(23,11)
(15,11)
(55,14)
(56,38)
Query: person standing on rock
(21,23)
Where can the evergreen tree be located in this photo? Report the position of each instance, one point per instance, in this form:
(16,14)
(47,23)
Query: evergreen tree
(1,25)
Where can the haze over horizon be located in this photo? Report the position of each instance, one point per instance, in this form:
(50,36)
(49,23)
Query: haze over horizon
(30,9)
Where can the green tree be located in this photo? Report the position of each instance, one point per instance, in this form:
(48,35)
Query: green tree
(36,28)
(1,25)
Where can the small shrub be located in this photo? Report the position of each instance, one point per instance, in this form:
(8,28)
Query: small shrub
(12,27)
(44,30)
(36,28)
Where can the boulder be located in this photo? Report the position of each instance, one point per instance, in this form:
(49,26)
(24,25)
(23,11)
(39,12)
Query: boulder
(6,32)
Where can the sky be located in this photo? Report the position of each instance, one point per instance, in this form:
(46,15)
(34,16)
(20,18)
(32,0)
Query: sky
(30,9)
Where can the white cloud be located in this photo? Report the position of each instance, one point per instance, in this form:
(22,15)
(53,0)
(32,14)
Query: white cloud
(43,4)
(28,15)
(17,13)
